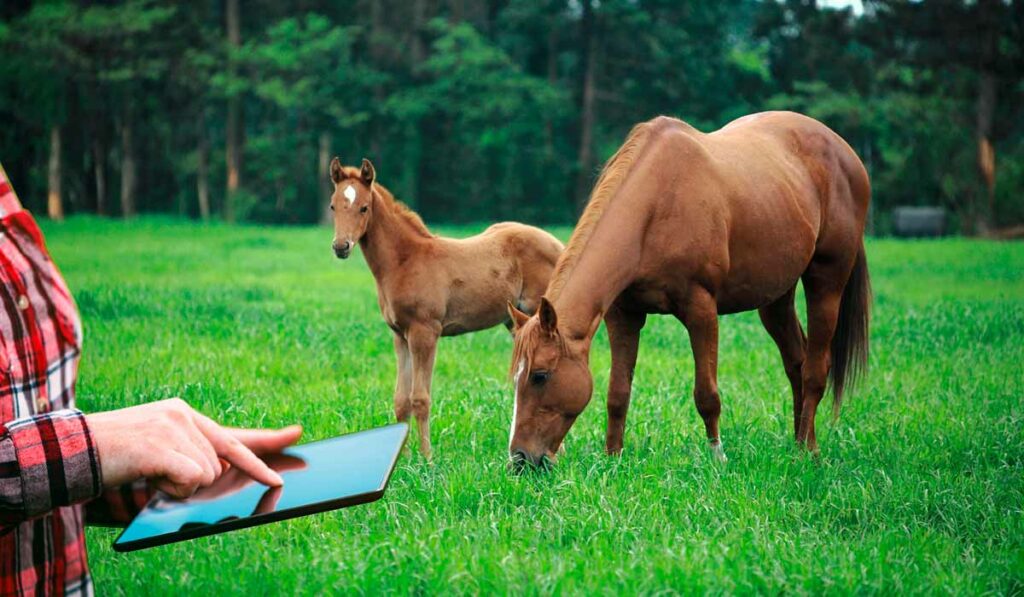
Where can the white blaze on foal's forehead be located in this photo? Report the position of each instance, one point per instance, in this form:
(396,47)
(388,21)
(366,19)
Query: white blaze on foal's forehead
(350,193)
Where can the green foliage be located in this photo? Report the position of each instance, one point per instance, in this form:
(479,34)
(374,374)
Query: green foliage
(918,489)
(480,179)
(472,111)
(303,74)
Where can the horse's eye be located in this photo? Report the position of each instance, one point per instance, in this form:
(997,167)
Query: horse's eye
(332,208)
(538,378)
(364,209)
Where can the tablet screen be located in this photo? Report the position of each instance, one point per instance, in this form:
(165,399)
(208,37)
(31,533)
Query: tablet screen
(318,476)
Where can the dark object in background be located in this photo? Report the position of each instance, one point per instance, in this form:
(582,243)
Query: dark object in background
(919,221)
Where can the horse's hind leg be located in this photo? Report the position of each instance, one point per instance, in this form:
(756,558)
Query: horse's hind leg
(423,346)
(780,319)
(701,319)
(823,283)
(403,381)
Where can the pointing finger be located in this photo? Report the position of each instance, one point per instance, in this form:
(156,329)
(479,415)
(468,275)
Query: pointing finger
(235,452)
(269,441)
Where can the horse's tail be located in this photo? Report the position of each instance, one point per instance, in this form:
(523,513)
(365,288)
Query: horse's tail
(850,342)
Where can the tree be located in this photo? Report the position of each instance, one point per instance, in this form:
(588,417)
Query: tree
(588,58)
(234,118)
(477,100)
(40,45)
(303,67)
(488,109)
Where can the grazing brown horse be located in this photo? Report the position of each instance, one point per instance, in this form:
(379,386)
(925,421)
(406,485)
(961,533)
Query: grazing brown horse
(429,286)
(696,225)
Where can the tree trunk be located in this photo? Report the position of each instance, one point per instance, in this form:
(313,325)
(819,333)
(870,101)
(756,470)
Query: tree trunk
(417,51)
(99,168)
(377,57)
(552,68)
(412,155)
(203,175)
(589,59)
(323,177)
(234,118)
(127,169)
(457,11)
(983,215)
(54,203)
(986,108)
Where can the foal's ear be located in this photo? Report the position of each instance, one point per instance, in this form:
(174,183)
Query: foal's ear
(367,172)
(518,317)
(548,319)
(337,174)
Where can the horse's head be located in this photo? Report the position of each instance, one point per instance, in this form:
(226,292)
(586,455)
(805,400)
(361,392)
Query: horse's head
(553,385)
(352,204)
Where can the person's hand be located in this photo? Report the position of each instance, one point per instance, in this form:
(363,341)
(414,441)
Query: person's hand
(179,449)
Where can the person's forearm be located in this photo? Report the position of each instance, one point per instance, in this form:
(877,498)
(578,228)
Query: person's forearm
(46,461)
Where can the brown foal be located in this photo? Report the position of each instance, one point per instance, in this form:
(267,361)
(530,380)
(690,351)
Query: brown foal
(429,286)
(696,225)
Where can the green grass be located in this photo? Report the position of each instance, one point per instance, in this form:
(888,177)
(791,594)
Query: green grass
(918,489)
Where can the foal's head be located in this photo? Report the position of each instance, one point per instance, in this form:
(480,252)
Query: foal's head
(553,385)
(352,204)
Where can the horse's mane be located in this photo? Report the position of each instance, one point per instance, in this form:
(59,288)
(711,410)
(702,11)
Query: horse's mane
(612,175)
(397,207)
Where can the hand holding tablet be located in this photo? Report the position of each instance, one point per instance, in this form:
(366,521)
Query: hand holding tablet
(319,476)
(179,448)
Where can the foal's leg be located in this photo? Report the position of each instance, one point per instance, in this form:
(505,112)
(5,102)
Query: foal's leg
(403,383)
(422,345)
(780,319)
(823,283)
(624,336)
(701,319)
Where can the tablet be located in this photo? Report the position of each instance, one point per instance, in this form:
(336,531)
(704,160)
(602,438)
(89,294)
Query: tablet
(318,476)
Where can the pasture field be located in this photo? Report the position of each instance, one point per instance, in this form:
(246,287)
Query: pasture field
(919,487)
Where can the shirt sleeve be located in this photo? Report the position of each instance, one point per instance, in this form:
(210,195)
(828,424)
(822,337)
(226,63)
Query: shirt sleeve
(117,506)
(46,461)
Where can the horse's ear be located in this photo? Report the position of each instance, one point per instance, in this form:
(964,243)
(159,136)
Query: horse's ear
(518,317)
(548,319)
(337,174)
(367,172)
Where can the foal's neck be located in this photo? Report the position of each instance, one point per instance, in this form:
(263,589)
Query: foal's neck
(391,237)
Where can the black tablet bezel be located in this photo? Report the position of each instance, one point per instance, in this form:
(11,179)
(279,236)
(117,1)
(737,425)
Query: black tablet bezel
(278,515)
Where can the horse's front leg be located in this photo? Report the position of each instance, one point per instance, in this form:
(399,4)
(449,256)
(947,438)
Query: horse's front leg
(422,339)
(701,319)
(403,381)
(624,336)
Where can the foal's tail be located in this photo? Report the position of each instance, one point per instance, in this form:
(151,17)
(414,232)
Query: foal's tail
(850,342)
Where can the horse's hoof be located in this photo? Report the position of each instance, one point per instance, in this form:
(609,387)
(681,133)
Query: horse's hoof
(718,453)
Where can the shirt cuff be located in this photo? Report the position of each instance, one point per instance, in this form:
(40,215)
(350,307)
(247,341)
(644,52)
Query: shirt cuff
(117,506)
(55,459)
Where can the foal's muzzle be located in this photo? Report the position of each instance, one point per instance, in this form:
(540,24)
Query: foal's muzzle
(342,249)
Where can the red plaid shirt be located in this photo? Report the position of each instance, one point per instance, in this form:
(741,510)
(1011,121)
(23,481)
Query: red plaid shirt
(48,462)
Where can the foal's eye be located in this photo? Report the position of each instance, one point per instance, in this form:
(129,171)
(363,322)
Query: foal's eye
(364,209)
(538,378)
(332,208)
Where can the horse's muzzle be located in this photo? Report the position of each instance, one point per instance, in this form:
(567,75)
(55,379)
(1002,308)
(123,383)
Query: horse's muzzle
(342,249)
(521,461)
